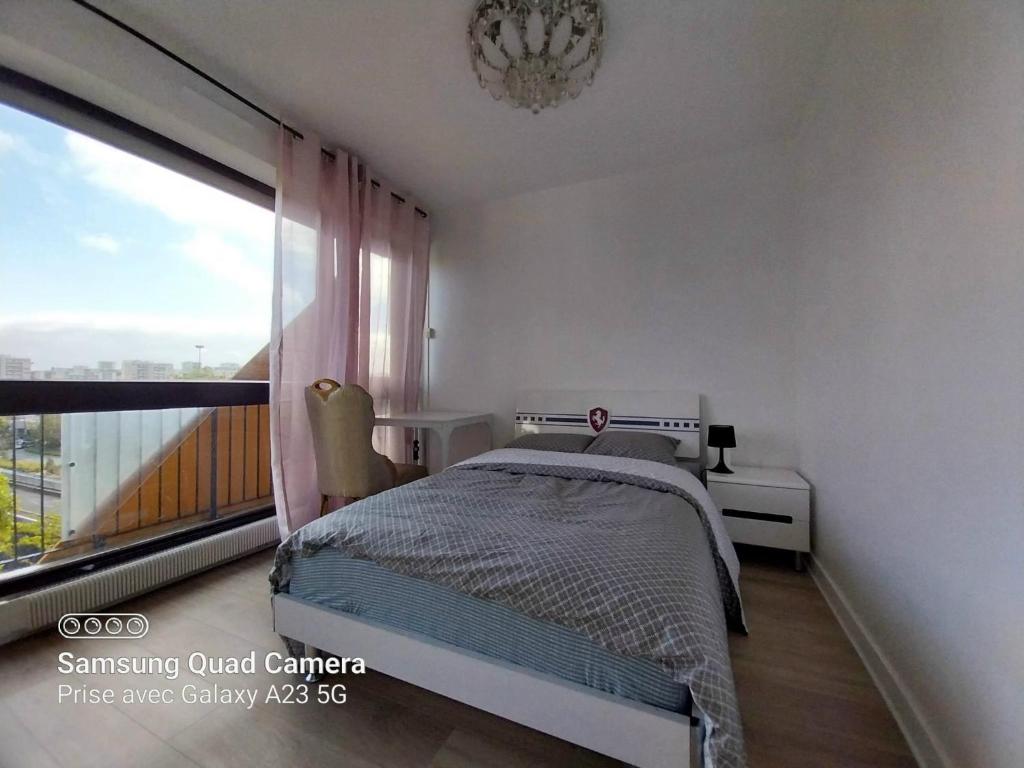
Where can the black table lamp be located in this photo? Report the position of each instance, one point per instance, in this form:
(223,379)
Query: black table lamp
(721,436)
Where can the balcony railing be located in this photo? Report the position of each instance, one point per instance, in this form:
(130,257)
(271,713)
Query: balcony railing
(93,467)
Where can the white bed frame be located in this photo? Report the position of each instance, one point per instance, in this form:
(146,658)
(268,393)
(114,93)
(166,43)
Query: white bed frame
(676,414)
(636,733)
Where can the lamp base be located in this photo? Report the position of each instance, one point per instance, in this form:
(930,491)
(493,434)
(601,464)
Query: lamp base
(720,467)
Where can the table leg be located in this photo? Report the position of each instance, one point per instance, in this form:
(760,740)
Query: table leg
(445,434)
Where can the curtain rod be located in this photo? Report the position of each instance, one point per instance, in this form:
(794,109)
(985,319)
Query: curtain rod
(213,81)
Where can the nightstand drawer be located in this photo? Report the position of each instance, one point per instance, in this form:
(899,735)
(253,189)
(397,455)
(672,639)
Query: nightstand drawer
(795,535)
(758,502)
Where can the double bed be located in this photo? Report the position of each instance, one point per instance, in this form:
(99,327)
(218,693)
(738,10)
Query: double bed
(584,595)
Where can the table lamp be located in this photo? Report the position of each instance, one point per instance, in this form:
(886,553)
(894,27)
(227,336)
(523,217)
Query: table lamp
(721,436)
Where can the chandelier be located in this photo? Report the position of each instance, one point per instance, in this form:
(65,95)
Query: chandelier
(536,53)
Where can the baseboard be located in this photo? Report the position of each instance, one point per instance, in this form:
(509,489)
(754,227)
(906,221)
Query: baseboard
(921,738)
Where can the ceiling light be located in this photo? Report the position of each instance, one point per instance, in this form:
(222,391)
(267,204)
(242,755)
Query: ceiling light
(536,53)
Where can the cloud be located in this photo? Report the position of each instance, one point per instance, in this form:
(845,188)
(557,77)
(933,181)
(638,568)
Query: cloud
(230,238)
(186,323)
(178,197)
(83,338)
(20,147)
(101,243)
(228,263)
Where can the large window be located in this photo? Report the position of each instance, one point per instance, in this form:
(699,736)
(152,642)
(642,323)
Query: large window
(115,269)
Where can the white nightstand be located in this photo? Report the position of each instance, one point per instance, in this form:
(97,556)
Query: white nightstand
(767,507)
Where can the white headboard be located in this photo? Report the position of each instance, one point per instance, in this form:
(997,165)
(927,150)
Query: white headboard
(676,414)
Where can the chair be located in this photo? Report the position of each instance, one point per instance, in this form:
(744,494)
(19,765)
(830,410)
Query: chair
(341,418)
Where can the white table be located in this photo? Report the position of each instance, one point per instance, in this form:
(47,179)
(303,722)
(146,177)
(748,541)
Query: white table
(441,422)
(766,507)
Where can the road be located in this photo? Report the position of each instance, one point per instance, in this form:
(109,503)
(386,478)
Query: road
(26,454)
(29,506)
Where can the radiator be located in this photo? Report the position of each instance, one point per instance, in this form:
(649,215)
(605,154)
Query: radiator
(38,610)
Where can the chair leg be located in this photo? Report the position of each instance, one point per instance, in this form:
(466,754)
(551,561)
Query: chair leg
(323,504)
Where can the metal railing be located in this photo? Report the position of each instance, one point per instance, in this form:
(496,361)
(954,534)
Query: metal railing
(124,462)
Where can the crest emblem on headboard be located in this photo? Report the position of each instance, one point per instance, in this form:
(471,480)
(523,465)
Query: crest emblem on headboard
(598,418)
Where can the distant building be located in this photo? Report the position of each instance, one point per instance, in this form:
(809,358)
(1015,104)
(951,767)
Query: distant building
(190,368)
(106,370)
(75,373)
(15,367)
(146,370)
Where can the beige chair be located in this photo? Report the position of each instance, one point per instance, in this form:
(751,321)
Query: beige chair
(341,418)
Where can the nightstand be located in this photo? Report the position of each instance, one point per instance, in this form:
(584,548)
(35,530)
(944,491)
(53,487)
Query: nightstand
(766,507)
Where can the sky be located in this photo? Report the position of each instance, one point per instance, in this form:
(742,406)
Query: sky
(105,256)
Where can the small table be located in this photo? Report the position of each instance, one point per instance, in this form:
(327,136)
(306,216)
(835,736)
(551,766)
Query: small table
(442,422)
(766,507)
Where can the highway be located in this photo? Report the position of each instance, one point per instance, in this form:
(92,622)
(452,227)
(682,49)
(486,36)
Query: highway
(29,506)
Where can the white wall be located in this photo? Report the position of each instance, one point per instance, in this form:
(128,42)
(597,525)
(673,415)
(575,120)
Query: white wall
(677,279)
(862,321)
(911,325)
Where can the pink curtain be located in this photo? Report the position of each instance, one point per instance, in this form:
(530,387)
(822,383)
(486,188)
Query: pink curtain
(350,281)
(392,304)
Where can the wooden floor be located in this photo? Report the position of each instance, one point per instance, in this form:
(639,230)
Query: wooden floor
(806,699)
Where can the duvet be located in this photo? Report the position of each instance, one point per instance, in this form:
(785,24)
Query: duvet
(631,553)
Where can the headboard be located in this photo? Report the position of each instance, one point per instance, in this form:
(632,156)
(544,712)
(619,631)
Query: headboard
(676,414)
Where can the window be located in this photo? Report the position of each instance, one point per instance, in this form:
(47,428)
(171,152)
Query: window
(115,269)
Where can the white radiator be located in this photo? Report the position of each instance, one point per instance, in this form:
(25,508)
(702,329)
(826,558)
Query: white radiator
(37,610)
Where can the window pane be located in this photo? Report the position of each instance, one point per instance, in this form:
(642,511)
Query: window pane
(79,483)
(113,267)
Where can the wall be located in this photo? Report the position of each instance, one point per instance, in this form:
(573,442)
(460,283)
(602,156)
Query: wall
(911,313)
(674,279)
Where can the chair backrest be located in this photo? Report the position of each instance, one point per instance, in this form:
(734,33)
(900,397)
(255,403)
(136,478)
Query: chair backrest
(341,418)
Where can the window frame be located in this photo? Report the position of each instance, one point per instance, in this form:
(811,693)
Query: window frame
(50,103)
(55,105)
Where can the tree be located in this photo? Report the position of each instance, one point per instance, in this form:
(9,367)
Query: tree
(33,538)
(6,519)
(206,373)
(48,427)
(6,437)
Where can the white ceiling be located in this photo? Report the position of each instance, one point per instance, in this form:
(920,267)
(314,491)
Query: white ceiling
(391,81)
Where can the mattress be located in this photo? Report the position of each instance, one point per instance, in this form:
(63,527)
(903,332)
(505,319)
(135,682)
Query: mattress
(362,588)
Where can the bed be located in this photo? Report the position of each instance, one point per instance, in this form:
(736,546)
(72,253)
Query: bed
(584,596)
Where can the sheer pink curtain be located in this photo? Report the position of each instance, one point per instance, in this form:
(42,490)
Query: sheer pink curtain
(350,276)
(393,295)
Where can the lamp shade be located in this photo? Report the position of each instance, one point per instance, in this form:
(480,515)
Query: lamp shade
(721,436)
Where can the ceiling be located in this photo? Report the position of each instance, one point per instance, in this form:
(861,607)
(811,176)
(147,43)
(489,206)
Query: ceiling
(391,81)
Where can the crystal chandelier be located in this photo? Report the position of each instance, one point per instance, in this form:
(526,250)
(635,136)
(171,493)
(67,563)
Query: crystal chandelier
(535,53)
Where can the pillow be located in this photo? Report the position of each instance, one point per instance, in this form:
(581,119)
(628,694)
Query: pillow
(635,445)
(563,442)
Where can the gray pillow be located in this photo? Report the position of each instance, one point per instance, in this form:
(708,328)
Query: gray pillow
(563,442)
(635,445)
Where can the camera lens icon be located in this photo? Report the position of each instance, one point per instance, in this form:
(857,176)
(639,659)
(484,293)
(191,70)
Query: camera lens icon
(137,626)
(103,626)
